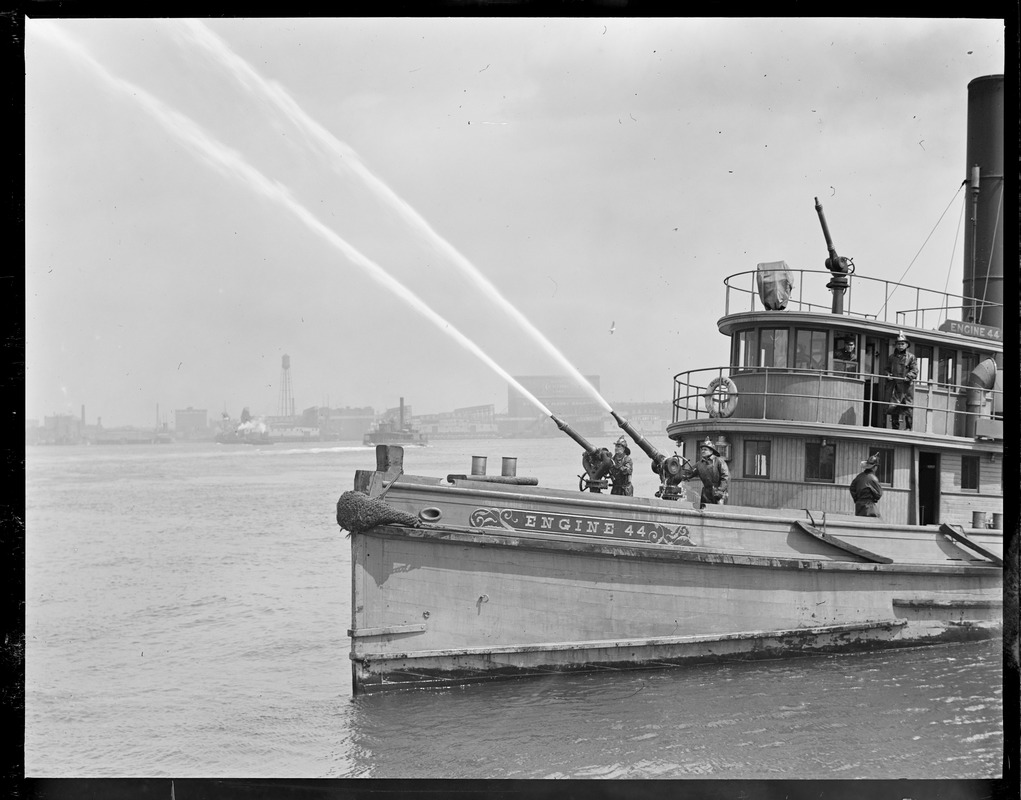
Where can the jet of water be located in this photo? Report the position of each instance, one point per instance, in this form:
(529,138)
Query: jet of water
(344,155)
(232,164)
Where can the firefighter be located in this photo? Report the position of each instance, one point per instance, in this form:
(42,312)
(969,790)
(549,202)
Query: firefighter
(901,387)
(865,489)
(714,473)
(623,467)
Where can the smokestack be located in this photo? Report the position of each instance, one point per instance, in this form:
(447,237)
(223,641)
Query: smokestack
(83,413)
(983,236)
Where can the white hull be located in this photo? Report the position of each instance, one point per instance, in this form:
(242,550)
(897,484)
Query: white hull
(470,597)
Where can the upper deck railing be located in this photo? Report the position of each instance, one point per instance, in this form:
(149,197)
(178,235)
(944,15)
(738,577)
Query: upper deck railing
(918,307)
(827,396)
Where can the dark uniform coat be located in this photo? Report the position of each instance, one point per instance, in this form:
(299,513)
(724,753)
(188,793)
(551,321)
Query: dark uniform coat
(866,491)
(715,475)
(904,371)
(620,475)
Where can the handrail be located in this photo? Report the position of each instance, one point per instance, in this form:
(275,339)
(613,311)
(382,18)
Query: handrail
(868,289)
(692,386)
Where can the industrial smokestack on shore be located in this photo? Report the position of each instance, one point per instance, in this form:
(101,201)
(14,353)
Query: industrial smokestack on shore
(983,236)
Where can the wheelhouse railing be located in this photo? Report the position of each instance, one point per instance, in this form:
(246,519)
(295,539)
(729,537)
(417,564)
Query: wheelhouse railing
(916,306)
(829,397)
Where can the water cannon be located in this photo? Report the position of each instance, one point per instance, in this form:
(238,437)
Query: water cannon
(596,461)
(672,470)
(840,266)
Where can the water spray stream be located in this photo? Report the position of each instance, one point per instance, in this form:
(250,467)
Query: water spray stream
(231,163)
(344,155)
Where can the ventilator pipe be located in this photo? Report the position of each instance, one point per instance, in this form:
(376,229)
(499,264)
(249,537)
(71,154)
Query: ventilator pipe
(981,380)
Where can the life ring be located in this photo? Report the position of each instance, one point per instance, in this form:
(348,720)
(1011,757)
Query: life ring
(721,397)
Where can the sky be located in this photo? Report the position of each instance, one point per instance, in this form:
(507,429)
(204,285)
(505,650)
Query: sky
(425,208)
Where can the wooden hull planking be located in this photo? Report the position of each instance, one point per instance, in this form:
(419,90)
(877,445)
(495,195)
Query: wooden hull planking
(470,597)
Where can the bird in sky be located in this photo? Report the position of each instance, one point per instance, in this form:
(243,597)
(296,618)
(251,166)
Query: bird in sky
(613,327)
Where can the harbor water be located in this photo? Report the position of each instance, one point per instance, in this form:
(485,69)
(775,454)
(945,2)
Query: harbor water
(187,608)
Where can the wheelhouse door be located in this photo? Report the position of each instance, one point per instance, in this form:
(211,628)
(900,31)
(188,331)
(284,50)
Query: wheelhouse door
(928,488)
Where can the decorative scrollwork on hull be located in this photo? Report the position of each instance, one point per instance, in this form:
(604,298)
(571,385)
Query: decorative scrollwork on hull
(491,518)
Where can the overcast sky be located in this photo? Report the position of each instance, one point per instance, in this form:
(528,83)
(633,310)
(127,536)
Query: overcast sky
(203,197)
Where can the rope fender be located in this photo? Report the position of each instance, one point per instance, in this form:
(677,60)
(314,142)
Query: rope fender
(357,512)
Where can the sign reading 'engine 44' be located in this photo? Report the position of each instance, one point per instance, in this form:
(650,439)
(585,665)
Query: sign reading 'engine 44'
(515,519)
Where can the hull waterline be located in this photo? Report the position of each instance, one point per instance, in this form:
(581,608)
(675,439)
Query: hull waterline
(449,603)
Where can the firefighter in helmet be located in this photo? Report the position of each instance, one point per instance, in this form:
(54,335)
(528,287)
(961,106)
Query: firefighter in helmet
(623,467)
(714,473)
(901,386)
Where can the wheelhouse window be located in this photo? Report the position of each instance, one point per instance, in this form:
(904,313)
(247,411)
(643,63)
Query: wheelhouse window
(744,349)
(820,459)
(809,349)
(884,472)
(970,472)
(946,370)
(923,353)
(845,351)
(756,458)
(773,347)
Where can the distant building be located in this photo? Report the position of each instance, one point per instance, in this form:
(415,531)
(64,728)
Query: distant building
(649,419)
(563,396)
(191,423)
(62,429)
(339,424)
(472,422)
(58,429)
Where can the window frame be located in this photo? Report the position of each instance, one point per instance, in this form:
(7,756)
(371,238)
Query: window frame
(884,472)
(760,351)
(841,364)
(746,348)
(947,360)
(746,451)
(924,354)
(817,461)
(976,461)
(818,347)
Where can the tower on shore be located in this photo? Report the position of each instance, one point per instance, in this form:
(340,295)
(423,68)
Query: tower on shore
(286,404)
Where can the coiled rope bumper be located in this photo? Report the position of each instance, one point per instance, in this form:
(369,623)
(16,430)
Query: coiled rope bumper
(357,512)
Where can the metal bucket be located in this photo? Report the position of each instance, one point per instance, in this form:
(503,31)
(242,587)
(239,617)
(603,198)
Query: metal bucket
(998,521)
(510,467)
(478,465)
(978,519)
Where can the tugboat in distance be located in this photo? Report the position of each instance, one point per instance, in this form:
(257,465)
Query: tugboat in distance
(390,431)
(248,431)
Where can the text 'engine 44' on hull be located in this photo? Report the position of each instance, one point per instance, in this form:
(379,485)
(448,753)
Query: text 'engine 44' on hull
(476,580)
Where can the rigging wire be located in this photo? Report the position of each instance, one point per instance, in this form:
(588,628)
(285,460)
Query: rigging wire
(920,249)
(950,266)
